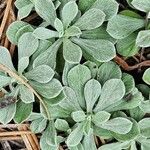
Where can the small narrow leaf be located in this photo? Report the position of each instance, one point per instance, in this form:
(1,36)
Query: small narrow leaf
(72,31)
(78,116)
(61,125)
(23,64)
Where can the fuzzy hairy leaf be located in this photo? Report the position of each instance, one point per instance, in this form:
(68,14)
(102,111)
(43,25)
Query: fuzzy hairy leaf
(92,91)
(91,19)
(23,111)
(72,31)
(61,125)
(145,106)
(69,12)
(22,3)
(109,7)
(41,74)
(146,76)
(77,77)
(112,92)
(46,10)
(4,81)
(101,50)
(78,116)
(23,64)
(72,53)
(121,26)
(59,27)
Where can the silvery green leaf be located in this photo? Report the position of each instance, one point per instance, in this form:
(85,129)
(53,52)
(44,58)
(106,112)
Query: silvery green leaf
(38,125)
(57,3)
(4,81)
(69,12)
(114,146)
(108,70)
(77,77)
(49,56)
(72,31)
(4,53)
(92,91)
(127,46)
(143,38)
(22,3)
(41,74)
(75,136)
(51,137)
(13,29)
(44,34)
(34,116)
(26,95)
(23,64)
(145,106)
(118,125)
(133,146)
(112,92)
(46,10)
(62,125)
(48,90)
(89,141)
(78,147)
(91,19)
(59,27)
(101,50)
(128,82)
(27,45)
(109,7)
(87,125)
(145,144)
(144,125)
(72,53)
(78,116)
(133,134)
(121,26)
(98,33)
(93,67)
(100,117)
(70,103)
(25,11)
(146,76)
(56,100)
(23,111)
(141,5)
(7,114)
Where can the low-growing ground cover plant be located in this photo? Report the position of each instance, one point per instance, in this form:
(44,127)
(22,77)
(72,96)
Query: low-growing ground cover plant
(70,79)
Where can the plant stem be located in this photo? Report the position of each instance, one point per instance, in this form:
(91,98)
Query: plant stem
(18,78)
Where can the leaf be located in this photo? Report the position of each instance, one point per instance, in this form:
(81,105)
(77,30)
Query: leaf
(23,111)
(101,50)
(121,26)
(62,125)
(38,125)
(109,7)
(25,11)
(23,64)
(47,11)
(100,118)
(44,34)
(26,95)
(92,91)
(72,31)
(69,12)
(146,76)
(48,90)
(78,116)
(22,3)
(4,81)
(41,74)
(6,62)
(70,103)
(91,19)
(144,89)
(118,125)
(128,82)
(145,106)
(143,38)
(13,29)
(130,13)
(112,92)
(75,136)
(127,46)
(72,53)
(108,70)
(27,45)
(59,27)
(7,114)
(144,125)
(49,56)
(77,77)
(141,5)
